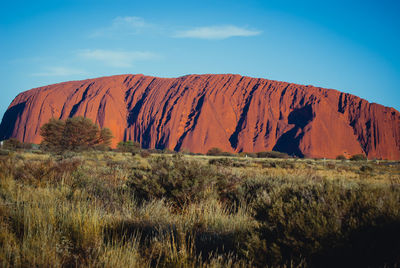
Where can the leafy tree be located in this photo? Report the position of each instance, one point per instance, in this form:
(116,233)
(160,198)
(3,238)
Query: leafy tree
(52,134)
(105,138)
(80,133)
(77,133)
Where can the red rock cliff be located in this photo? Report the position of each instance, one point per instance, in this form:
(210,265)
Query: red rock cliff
(197,112)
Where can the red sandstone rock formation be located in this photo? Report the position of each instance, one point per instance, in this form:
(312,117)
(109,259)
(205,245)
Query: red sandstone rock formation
(197,112)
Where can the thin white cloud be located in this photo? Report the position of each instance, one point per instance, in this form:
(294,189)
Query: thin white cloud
(132,22)
(123,26)
(59,71)
(116,58)
(217,32)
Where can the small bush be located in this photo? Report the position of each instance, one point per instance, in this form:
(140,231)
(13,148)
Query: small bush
(341,157)
(270,164)
(145,153)
(174,179)
(168,151)
(358,157)
(272,154)
(129,146)
(214,151)
(218,152)
(279,164)
(42,173)
(35,173)
(366,168)
(331,165)
(4,152)
(226,162)
(155,151)
(13,144)
(221,162)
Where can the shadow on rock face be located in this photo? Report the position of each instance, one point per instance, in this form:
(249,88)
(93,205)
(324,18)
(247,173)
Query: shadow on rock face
(10,119)
(290,140)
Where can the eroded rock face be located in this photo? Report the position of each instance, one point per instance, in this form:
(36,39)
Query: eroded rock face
(198,112)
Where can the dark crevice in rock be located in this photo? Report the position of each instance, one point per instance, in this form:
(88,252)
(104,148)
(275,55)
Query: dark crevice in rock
(234,138)
(289,141)
(10,119)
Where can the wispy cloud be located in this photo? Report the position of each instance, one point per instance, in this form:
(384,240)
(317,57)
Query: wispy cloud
(116,58)
(131,25)
(123,26)
(216,32)
(59,71)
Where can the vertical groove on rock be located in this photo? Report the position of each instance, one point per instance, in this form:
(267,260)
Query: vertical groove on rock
(234,138)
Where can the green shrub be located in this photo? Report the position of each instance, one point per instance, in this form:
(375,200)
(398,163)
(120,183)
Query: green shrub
(272,154)
(169,151)
(279,164)
(214,151)
(226,162)
(129,146)
(327,225)
(358,157)
(166,178)
(331,165)
(145,153)
(176,180)
(4,152)
(341,157)
(155,151)
(365,168)
(13,144)
(49,172)
(218,152)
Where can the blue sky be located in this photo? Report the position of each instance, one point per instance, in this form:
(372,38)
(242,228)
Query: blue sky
(352,46)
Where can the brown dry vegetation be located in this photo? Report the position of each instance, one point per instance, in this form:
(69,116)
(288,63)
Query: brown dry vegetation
(109,209)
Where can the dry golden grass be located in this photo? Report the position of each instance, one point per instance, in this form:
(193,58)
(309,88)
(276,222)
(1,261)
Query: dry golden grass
(85,209)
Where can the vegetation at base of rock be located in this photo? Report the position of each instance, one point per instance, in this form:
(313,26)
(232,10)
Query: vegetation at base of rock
(358,157)
(218,152)
(129,146)
(74,134)
(115,209)
(341,157)
(14,144)
(272,154)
